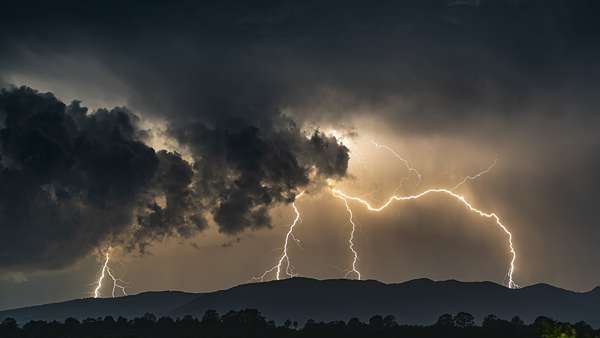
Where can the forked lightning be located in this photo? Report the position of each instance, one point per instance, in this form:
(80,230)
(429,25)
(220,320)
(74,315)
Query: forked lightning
(277,268)
(105,271)
(511,283)
(351,245)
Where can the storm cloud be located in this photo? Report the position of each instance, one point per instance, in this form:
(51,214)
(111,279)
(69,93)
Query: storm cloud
(453,83)
(72,179)
(416,62)
(250,168)
(69,179)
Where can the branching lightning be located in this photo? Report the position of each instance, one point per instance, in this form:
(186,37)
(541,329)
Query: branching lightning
(354,271)
(407,164)
(476,176)
(106,271)
(415,172)
(277,268)
(460,198)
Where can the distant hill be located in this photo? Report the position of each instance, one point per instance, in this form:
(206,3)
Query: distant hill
(159,303)
(419,301)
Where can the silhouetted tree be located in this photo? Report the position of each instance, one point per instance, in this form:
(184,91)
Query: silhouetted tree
(489,321)
(309,324)
(517,321)
(463,320)
(376,322)
(149,317)
(389,322)
(584,330)
(355,324)
(9,328)
(445,320)
(558,330)
(108,320)
(71,322)
(211,318)
(250,324)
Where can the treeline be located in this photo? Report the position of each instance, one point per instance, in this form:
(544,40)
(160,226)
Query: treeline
(250,323)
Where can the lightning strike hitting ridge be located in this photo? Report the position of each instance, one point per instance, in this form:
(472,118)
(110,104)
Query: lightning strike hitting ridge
(277,269)
(460,198)
(419,176)
(284,255)
(354,269)
(412,170)
(106,271)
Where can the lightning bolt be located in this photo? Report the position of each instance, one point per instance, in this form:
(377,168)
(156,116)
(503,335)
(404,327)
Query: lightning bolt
(106,271)
(511,283)
(354,269)
(476,176)
(277,268)
(407,164)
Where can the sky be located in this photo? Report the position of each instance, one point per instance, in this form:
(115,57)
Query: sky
(179,134)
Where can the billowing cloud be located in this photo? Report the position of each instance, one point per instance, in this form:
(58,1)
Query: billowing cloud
(69,179)
(247,168)
(72,179)
(454,83)
(426,66)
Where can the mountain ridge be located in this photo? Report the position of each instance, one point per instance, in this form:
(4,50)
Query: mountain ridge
(418,301)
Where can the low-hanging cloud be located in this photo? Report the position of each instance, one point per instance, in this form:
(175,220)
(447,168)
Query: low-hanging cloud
(456,83)
(247,168)
(71,180)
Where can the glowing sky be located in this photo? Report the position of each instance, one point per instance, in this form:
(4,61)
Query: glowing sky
(451,88)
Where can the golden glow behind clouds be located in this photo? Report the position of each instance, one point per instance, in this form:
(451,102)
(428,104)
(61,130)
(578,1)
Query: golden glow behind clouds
(351,245)
(366,167)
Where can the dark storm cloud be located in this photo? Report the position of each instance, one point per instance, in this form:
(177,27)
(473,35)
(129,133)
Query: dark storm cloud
(432,64)
(514,77)
(71,180)
(249,168)
(180,212)
(68,179)
(240,171)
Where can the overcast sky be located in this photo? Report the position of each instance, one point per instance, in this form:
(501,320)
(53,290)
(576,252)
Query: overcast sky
(195,127)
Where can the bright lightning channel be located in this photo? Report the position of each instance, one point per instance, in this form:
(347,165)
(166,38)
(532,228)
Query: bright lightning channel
(476,176)
(106,271)
(354,269)
(460,198)
(277,268)
(411,169)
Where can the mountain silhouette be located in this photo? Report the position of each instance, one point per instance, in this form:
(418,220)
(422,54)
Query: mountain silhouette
(419,301)
(130,306)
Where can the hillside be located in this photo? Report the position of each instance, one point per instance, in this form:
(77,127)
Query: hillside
(419,301)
